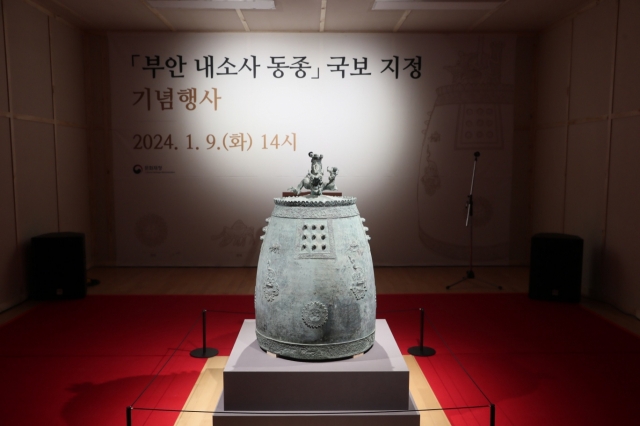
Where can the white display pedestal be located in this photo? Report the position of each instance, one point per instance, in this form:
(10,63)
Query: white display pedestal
(371,389)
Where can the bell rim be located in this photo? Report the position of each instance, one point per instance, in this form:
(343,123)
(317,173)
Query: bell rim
(316,352)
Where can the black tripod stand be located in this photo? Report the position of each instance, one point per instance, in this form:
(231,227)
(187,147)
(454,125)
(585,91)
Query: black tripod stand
(469,223)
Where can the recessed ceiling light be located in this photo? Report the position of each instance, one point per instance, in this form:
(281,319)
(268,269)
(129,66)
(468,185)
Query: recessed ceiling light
(212,4)
(436,4)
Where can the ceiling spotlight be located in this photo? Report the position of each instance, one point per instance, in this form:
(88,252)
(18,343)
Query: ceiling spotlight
(212,4)
(436,4)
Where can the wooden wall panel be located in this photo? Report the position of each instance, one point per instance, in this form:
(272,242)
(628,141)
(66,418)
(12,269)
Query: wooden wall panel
(12,288)
(524,78)
(36,182)
(627,82)
(68,72)
(623,233)
(99,140)
(592,60)
(29,59)
(4,95)
(35,168)
(554,67)
(73,182)
(520,220)
(586,194)
(549,180)
(601,176)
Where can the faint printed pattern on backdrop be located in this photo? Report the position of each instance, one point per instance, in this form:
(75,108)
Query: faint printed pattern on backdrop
(151,230)
(240,241)
(468,116)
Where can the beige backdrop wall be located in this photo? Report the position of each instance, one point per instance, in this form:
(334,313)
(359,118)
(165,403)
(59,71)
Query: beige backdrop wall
(194,178)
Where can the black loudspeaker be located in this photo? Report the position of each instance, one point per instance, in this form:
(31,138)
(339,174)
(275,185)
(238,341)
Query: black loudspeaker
(57,266)
(556,267)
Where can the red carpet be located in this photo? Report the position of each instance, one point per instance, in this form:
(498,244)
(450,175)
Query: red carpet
(78,363)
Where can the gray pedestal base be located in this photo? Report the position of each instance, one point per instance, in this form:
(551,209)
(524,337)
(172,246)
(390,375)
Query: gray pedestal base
(354,391)
(316,418)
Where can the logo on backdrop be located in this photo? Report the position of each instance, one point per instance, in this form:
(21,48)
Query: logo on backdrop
(137,169)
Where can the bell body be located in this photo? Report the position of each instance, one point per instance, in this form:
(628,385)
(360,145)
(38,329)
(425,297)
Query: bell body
(315,296)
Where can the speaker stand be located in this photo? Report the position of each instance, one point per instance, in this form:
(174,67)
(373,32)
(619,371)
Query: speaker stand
(469,223)
(472,276)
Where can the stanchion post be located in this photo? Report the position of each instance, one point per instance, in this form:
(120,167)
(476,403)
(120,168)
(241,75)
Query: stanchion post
(421,350)
(492,415)
(204,351)
(129,409)
(204,329)
(421,329)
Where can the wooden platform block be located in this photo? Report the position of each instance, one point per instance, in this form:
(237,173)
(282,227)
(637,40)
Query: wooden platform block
(423,396)
(205,394)
(207,390)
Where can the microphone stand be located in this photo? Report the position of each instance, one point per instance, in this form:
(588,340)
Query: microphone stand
(469,223)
